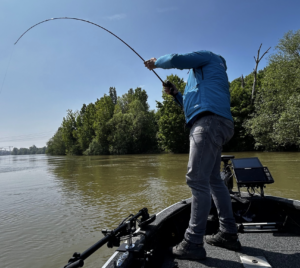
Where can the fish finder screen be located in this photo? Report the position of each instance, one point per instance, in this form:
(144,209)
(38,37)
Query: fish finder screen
(246,163)
(251,171)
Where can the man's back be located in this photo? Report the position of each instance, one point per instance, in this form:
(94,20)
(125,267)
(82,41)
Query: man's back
(207,86)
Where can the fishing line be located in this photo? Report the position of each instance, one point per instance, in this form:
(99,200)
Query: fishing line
(63,18)
(7,69)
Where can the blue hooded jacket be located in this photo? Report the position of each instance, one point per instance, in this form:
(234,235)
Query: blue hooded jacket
(207,87)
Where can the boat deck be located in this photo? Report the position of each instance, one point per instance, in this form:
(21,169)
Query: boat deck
(279,249)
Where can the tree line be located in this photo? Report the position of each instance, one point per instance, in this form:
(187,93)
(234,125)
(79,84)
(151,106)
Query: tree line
(272,121)
(32,150)
(111,125)
(4,152)
(125,125)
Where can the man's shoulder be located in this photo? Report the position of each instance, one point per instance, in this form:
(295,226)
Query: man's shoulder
(208,52)
(203,52)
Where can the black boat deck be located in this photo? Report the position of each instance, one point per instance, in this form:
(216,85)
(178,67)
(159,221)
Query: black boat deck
(279,249)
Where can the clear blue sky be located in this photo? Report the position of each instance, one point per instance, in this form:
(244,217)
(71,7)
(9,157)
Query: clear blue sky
(62,64)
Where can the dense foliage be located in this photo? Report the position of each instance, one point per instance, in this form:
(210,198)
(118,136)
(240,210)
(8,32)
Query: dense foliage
(172,135)
(123,125)
(275,123)
(56,145)
(111,125)
(32,150)
(241,109)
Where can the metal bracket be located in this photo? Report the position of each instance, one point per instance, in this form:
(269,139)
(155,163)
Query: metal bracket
(258,227)
(254,261)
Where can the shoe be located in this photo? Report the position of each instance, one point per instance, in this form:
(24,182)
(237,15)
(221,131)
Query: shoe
(224,240)
(189,251)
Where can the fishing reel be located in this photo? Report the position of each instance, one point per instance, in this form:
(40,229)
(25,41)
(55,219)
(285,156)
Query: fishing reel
(128,232)
(112,238)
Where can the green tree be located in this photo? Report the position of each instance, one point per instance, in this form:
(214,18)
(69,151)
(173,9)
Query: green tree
(272,124)
(141,95)
(56,145)
(95,148)
(14,151)
(172,133)
(69,128)
(241,108)
(42,150)
(124,101)
(113,95)
(23,151)
(33,149)
(104,110)
(133,125)
(121,137)
(85,131)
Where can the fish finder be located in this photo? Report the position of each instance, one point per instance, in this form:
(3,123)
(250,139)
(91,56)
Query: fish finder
(250,173)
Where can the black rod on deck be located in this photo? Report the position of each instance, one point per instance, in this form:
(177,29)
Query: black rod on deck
(78,261)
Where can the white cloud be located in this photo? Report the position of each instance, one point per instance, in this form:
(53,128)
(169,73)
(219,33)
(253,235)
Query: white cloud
(166,9)
(116,17)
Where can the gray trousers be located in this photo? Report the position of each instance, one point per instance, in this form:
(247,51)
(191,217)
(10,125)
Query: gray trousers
(207,136)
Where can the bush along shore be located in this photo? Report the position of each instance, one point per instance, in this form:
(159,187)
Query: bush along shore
(125,125)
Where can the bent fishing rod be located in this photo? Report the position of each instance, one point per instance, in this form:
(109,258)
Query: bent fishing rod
(167,84)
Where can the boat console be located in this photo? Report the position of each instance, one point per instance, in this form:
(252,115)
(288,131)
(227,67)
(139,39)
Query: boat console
(248,172)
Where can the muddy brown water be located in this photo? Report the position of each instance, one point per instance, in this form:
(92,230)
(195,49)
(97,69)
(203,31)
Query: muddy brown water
(51,206)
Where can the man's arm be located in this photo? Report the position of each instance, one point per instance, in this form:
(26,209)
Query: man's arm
(180,61)
(183,61)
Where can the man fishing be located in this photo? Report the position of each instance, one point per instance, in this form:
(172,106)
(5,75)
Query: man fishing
(206,104)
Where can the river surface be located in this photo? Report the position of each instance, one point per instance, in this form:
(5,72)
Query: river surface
(51,207)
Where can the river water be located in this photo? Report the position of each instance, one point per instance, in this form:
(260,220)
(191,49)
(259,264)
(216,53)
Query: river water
(51,207)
